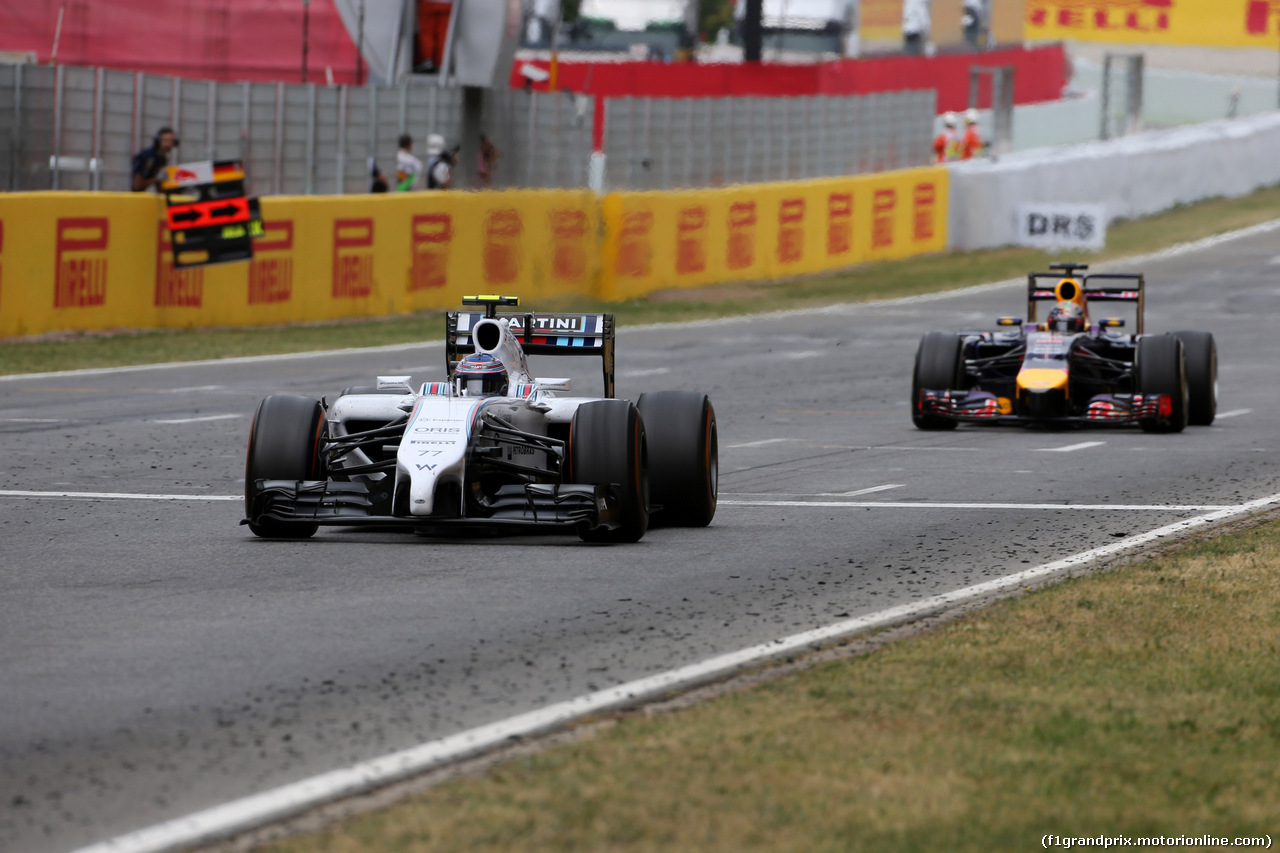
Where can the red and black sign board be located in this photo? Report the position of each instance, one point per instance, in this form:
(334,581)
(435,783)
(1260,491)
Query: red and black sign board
(212,222)
(202,214)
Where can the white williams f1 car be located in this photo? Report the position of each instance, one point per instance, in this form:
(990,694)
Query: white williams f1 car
(491,447)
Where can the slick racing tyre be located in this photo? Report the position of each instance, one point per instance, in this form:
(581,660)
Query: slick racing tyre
(684,454)
(1202,376)
(1160,368)
(607,445)
(937,369)
(284,444)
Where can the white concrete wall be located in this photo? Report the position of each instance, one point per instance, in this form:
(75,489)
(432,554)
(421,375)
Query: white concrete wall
(1133,176)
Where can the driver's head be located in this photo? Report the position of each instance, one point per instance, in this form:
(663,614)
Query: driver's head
(1066,317)
(481,375)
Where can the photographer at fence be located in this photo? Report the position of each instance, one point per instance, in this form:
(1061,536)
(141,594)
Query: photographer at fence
(441,162)
(149,163)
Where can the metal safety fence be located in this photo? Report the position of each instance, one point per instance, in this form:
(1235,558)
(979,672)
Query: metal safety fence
(64,127)
(663,143)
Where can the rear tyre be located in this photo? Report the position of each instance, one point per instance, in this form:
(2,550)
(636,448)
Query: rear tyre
(607,445)
(937,368)
(684,455)
(1201,353)
(1161,369)
(284,444)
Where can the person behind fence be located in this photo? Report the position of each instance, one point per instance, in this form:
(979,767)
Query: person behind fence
(971,145)
(946,145)
(377,180)
(489,155)
(441,162)
(916,23)
(972,21)
(149,163)
(408,167)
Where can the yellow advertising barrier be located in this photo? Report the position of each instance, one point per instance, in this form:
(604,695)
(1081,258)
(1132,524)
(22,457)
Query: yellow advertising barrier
(90,261)
(94,261)
(657,240)
(1211,23)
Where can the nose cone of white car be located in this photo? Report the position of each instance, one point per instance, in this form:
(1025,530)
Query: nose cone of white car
(434,449)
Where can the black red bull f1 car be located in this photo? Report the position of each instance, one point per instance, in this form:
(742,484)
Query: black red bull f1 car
(1077,367)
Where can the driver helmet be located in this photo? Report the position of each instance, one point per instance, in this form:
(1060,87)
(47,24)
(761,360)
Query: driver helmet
(1066,317)
(481,375)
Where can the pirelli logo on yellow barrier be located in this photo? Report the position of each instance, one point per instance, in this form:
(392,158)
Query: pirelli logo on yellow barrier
(271,270)
(1210,23)
(83,261)
(685,239)
(80,262)
(353,253)
(430,235)
(175,286)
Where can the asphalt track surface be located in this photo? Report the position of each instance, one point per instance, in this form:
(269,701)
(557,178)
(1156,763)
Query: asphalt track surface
(158,660)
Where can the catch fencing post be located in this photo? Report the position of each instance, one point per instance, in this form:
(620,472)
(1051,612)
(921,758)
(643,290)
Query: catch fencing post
(341,176)
(95,151)
(211,120)
(55,172)
(277,157)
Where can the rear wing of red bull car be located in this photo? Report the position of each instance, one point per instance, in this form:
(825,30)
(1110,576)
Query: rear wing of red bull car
(1098,287)
(539,333)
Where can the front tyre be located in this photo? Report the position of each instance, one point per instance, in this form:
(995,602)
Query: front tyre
(1202,376)
(1160,368)
(684,456)
(607,445)
(284,444)
(937,369)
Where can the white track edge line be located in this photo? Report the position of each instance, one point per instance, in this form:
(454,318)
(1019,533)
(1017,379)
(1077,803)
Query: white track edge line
(939,505)
(1160,255)
(116,496)
(259,809)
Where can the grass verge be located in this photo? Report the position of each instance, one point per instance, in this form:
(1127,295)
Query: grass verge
(870,281)
(1141,702)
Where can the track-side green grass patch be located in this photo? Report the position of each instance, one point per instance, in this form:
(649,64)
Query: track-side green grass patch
(1138,702)
(907,277)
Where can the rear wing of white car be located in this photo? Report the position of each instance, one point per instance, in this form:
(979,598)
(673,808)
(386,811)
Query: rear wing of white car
(1098,287)
(539,333)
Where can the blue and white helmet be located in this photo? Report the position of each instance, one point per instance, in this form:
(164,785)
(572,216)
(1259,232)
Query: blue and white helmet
(481,375)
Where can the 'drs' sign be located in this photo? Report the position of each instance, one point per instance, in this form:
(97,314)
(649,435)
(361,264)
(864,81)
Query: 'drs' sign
(1065,226)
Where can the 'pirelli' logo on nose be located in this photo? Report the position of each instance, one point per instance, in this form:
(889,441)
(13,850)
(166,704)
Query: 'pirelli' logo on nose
(81,262)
